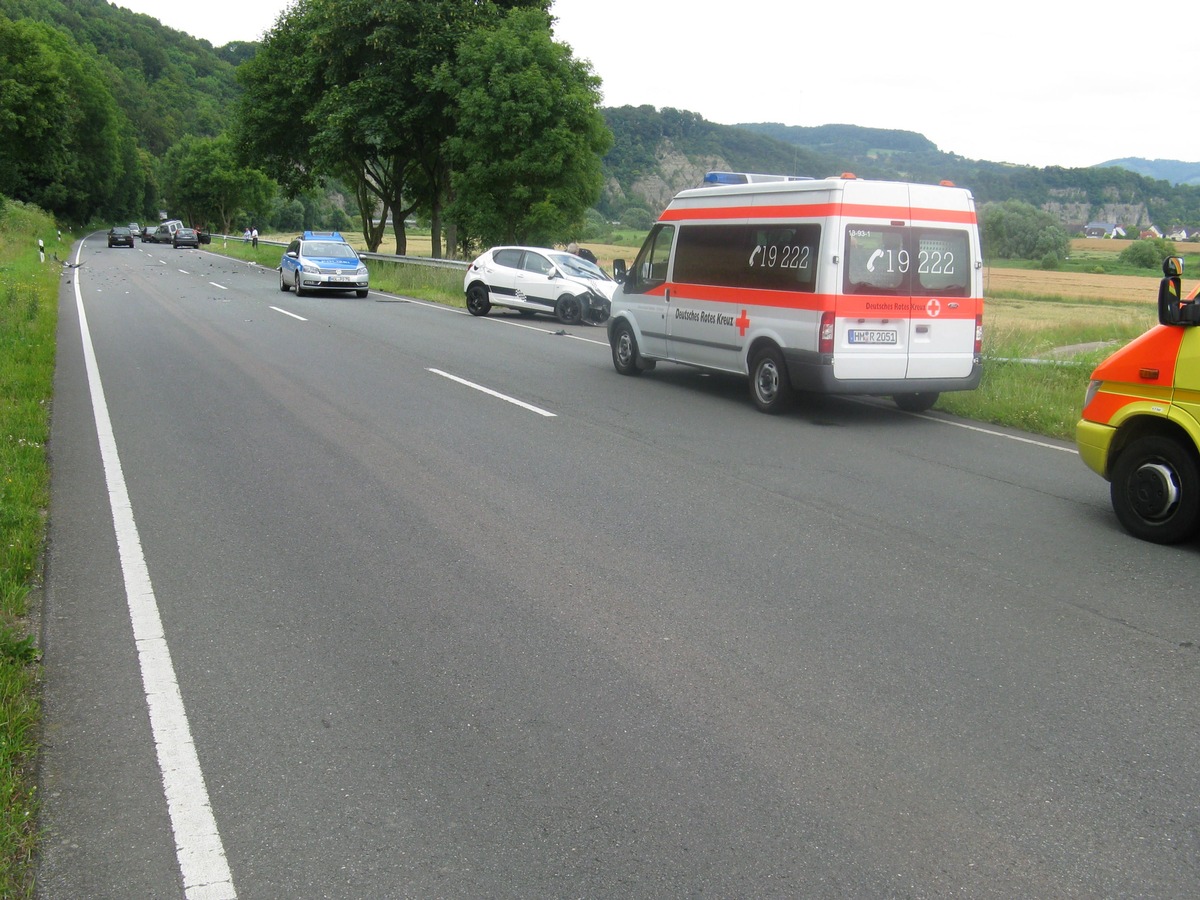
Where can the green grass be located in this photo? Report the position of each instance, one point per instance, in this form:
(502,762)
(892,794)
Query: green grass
(1096,262)
(28,315)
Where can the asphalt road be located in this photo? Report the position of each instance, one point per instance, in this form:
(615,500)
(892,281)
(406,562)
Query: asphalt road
(629,639)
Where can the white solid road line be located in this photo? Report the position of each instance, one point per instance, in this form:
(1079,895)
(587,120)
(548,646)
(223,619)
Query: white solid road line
(198,847)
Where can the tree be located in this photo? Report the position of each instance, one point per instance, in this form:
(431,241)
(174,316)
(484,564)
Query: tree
(207,184)
(1148,253)
(528,134)
(63,141)
(1018,230)
(344,89)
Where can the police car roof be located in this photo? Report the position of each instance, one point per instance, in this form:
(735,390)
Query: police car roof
(322,236)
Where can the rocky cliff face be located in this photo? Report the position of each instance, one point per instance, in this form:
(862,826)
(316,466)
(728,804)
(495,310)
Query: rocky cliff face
(673,172)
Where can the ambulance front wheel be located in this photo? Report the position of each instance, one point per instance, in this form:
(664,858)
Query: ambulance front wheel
(1156,490)
(916,402)
(769,384)
(625,351)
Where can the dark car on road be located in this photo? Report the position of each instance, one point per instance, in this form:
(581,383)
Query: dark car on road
(164,233)
(120,236)
(186,237)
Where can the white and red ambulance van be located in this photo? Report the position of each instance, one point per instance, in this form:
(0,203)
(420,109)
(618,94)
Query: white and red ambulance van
(840,285)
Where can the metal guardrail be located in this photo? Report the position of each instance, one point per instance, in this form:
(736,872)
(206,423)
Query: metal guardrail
(456,264)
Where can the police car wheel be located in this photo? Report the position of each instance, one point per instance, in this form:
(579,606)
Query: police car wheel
(769,384)
(625,350)
(283,285)
(568,309)
(477,300)
(916,402)
(1155,490)
(299,287)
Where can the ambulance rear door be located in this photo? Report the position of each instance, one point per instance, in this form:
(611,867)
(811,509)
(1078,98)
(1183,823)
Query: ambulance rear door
(872,327)
(946,283)
(909,294)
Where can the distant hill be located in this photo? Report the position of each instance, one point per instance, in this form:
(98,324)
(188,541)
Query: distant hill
(1171,170)
(659,152)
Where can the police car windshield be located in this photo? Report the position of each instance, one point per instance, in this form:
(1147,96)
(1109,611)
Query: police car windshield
(579,267)
(328,249)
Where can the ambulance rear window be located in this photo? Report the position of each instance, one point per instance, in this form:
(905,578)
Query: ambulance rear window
(904,261)
(781,257)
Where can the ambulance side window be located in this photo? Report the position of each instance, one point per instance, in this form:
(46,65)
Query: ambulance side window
(650,268)
(775,257)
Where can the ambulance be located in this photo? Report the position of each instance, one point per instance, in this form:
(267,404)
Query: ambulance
(1140,427)
(839,285)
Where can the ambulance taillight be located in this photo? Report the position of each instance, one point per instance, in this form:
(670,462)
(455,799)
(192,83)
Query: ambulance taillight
(825,336)
(979,335)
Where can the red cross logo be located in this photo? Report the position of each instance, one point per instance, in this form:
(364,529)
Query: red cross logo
(933,308)
(742,322)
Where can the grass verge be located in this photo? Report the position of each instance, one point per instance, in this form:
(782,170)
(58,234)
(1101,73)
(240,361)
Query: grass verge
(28,316)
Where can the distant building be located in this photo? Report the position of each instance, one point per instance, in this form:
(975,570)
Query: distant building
(1103,230)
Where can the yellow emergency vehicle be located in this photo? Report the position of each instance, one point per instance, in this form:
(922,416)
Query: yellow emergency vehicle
(1141,421)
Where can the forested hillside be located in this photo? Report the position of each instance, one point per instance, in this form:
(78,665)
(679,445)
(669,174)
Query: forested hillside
(167,83)
(92,97)
(659,152)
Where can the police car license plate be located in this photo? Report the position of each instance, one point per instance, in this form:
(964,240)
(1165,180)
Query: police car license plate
(340,278)
(871,336)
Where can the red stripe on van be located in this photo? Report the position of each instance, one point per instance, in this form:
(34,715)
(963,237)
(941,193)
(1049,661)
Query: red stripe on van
(859,306)
(820,210)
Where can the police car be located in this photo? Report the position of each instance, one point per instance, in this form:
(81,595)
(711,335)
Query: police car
(322,261)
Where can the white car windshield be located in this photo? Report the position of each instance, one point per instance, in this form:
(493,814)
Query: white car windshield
(579,267)
(327,250)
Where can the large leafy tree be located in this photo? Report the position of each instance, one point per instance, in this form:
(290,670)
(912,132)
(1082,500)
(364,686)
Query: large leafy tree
(347,89)
(528,134)
(207,184)
(64,144)
(1018,230)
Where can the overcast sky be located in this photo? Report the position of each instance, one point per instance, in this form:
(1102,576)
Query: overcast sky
(1036,83)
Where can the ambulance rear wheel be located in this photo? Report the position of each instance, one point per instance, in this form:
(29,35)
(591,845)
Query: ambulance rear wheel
(1156,490)
(769,384)
(916,402)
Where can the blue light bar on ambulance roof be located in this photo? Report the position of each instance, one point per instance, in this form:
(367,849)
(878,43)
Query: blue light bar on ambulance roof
(749,178)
